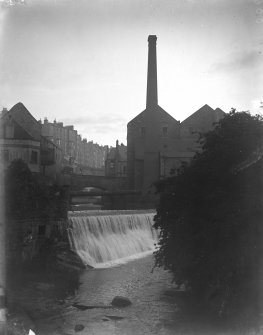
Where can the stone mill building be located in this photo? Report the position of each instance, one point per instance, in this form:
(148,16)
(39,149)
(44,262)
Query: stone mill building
(157,144)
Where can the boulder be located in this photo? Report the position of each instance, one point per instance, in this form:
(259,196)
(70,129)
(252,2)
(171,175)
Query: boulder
(79,328)
(119,301)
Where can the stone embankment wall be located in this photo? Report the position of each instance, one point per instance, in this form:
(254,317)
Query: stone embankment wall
(42,239)
(28,236)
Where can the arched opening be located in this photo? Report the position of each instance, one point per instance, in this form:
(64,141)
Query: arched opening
(90,200)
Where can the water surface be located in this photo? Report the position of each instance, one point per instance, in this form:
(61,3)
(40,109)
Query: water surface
(151,312)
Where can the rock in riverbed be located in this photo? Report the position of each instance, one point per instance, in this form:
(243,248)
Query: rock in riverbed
(79,328)
(119,301)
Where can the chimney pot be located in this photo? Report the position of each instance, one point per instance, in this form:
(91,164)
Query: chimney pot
(152,38)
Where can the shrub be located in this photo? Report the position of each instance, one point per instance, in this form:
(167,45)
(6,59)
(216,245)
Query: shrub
(26,197)
(210,214)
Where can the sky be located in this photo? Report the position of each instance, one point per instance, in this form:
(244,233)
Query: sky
(84,62)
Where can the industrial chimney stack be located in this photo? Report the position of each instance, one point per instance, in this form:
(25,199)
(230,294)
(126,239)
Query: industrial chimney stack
(152,98)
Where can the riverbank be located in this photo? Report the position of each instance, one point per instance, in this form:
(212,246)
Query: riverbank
(158,307)
(37,290)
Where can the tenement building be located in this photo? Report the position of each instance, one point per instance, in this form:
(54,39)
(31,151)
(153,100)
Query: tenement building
(157,144)
(48,148)
(83,156)
(20,138)
(116,161)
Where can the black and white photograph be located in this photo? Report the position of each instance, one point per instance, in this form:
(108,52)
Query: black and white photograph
(131,167)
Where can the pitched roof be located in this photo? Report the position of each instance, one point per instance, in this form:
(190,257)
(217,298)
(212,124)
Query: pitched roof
(204,113)
(155,109)
(26,120)
(219,111)
(122,153)
(205,110)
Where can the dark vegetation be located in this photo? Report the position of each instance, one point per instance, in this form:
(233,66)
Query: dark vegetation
(28,200)
(30,203)
(26,196)
(210,219)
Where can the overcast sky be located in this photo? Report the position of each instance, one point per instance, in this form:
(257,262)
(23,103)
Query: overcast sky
(84,62)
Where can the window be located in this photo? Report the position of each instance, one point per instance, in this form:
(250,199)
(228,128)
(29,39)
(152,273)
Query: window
(34,157)
(165,131)
(5,155)
(9,131)
(172,171)
(41,230)
(143,131)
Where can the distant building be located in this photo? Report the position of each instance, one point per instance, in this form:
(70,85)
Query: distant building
(201,121)
(149,133)
(157,144)
(51,158)
(82,156)
(116,161)
(187,145)
(49,147)
(20,138)
(56,133)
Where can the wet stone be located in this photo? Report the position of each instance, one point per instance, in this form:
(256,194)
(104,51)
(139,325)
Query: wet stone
(119,301)
(79,328)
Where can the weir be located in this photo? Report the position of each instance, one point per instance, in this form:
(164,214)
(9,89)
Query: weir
(105,239)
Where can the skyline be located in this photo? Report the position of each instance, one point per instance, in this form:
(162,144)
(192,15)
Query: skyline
(85,64)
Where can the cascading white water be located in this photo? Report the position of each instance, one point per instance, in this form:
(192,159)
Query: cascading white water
(103,241)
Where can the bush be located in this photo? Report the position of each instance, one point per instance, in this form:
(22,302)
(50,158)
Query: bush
(26,197)
(210,214)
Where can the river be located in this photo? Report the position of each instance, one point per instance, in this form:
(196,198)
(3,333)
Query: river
(157,306)
(152,311)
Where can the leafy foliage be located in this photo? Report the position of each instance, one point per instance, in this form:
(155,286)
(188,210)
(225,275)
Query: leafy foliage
(26,197)
(210,214)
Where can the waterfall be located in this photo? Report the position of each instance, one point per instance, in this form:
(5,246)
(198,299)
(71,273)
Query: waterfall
(106,240)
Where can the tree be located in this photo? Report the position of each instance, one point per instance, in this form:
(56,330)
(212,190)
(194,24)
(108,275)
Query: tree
(26,197)
(210,213)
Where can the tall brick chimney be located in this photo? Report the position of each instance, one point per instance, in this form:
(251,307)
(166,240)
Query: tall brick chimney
(152,98)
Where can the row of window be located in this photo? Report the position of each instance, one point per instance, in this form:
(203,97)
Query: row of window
(5,156)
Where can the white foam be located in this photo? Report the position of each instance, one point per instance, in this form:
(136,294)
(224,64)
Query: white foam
(106,241)
(123,260)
